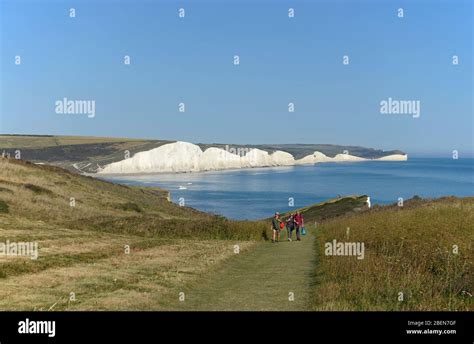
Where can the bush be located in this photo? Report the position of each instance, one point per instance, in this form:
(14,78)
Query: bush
(129,206)
(37,189)
(6,190)
(199,228)
(3,207)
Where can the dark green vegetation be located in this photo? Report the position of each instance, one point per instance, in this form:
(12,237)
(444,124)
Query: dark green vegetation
(3,207)
(86,154)
(332,208)
(37,189)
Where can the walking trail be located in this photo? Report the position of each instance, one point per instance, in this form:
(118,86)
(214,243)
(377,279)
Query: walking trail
(261,278)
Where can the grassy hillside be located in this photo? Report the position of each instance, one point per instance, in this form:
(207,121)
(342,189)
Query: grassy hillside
(82,249)
(86,154)
(28,190)
(75,153)
(408,250)
(45,141)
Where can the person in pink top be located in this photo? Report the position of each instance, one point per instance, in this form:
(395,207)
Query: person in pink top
(299,223)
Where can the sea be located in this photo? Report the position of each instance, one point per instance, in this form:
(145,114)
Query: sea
(257,193)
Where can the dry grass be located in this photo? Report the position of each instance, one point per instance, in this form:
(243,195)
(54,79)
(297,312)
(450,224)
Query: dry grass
(96,268)
(44,193)
(82,248)
(408,250)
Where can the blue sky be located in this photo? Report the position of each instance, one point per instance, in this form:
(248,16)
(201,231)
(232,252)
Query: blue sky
(282,60)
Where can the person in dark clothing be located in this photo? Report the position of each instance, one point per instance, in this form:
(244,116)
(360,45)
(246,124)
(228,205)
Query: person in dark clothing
(290,225)
(276,227)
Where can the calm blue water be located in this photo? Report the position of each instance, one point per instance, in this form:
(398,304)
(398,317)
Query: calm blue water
(258,193)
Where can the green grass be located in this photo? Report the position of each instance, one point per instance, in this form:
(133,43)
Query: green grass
(129,206)
(408,250)
(258,280)
(154,226)
(43,141)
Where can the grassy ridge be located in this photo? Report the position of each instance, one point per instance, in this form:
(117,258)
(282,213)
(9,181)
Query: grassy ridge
(408,250)
(75,153)
(331,208)
(44,141)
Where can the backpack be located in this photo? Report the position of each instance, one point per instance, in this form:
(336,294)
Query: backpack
(282,225)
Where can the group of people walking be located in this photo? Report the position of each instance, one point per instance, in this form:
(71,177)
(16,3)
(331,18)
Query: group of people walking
(294,222)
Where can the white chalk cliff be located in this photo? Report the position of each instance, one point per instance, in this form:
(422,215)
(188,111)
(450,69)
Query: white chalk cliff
(393,157)
(187,157)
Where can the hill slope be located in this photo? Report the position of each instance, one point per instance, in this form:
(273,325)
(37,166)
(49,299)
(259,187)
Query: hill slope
(117,248)
(46,193)
(423,250)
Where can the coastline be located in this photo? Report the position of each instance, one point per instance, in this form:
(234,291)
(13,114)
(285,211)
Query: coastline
(185,157)
(244,169)
(225,192)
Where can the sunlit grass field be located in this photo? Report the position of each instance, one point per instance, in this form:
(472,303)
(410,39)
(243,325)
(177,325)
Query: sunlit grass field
(417,257)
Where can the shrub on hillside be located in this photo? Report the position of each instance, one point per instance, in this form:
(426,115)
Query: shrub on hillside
(3,207)
(37,189)
(129,206)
